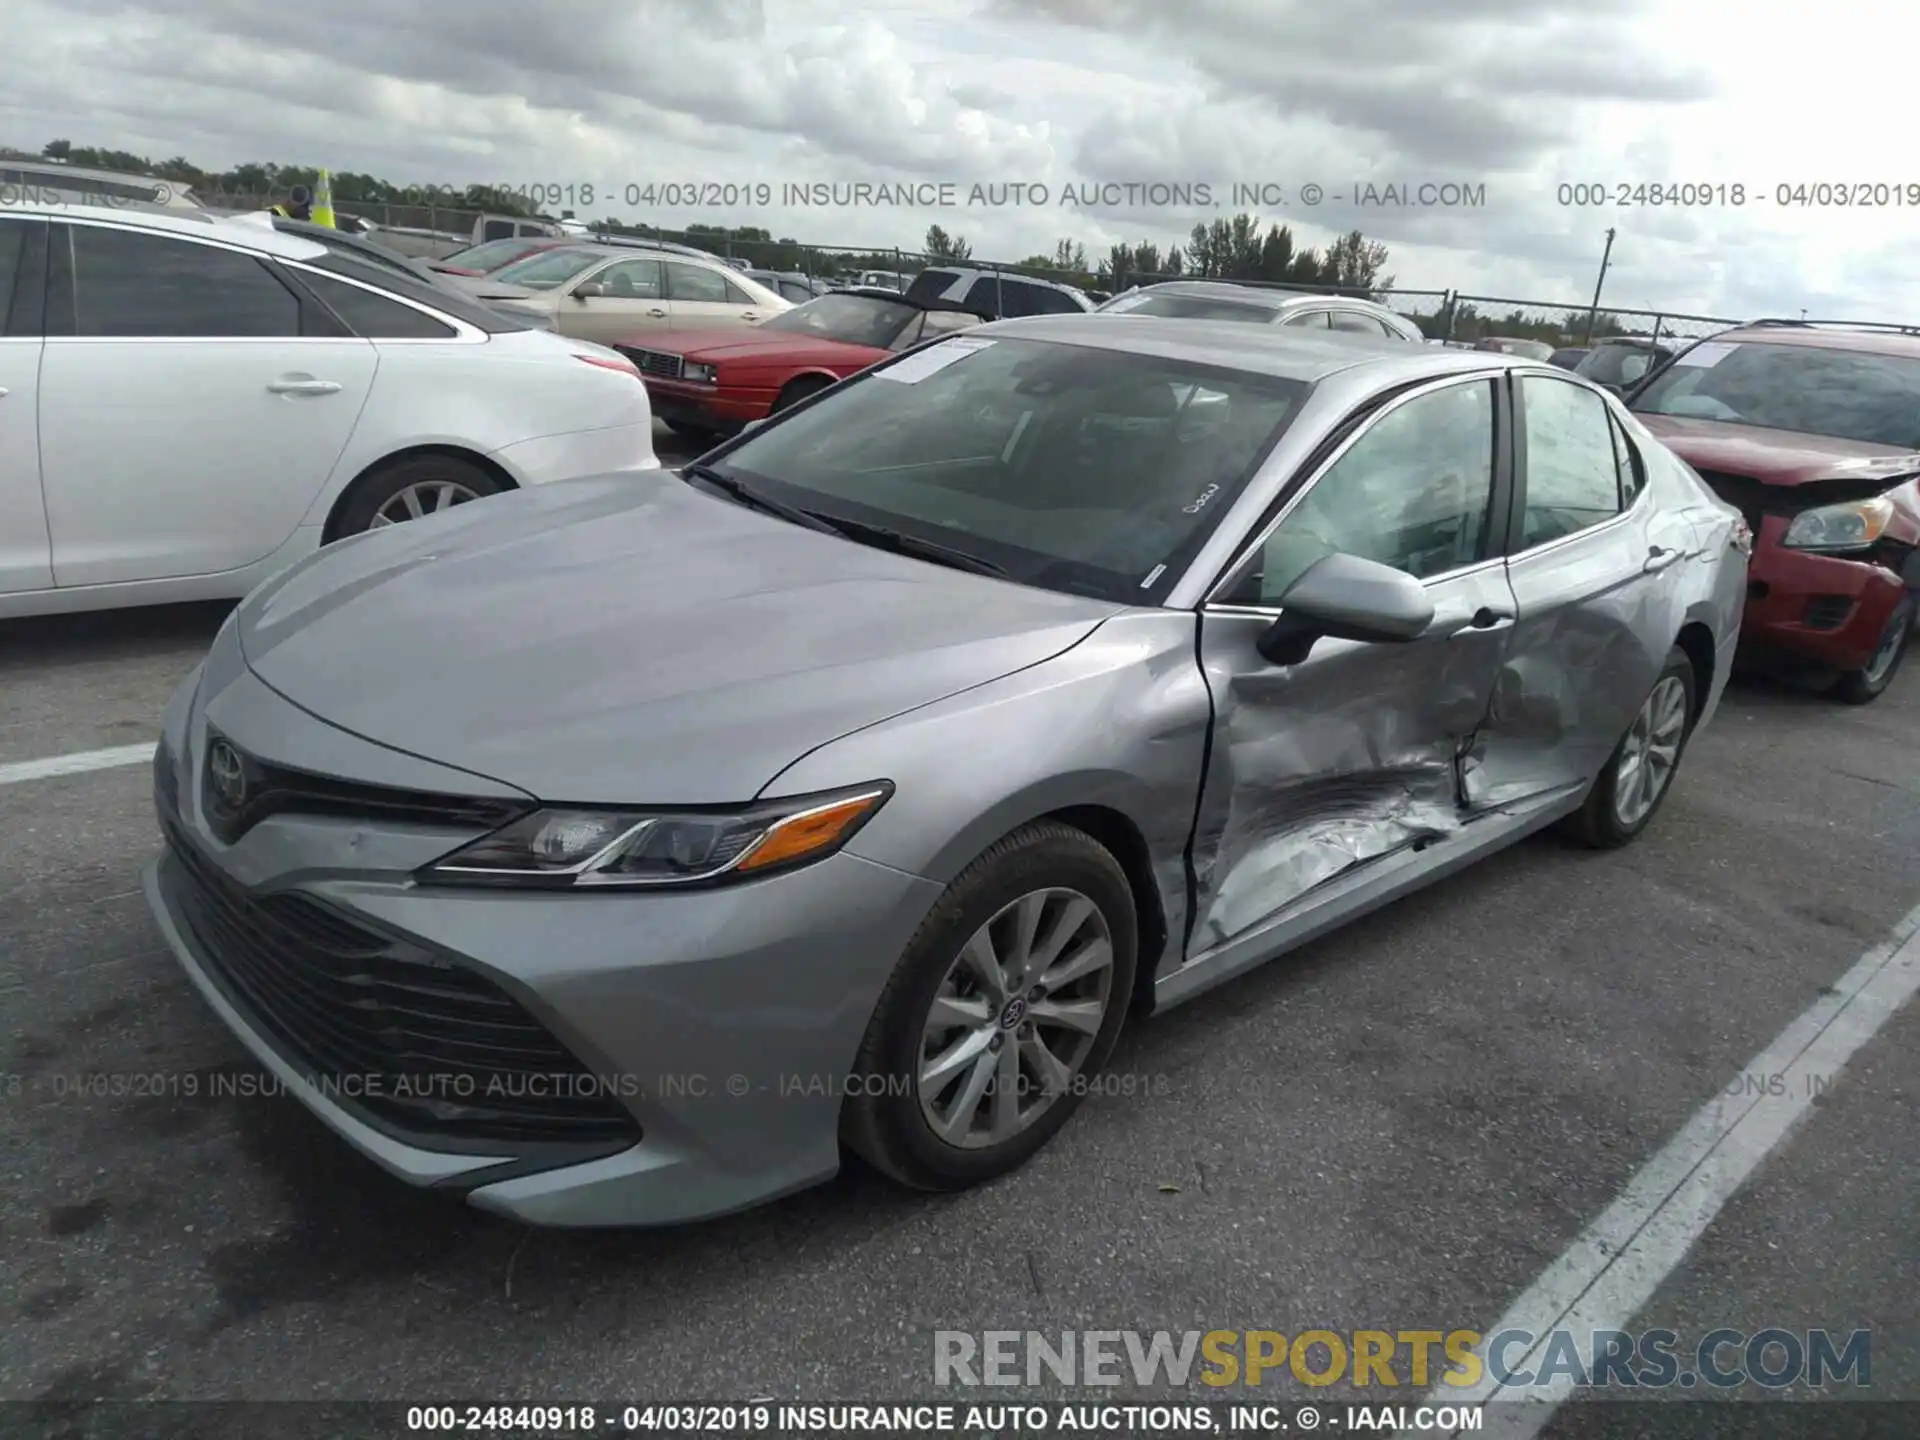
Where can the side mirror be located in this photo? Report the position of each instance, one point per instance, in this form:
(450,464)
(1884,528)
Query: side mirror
(592,290)
(1343,597)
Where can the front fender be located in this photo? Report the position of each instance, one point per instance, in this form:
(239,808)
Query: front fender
(1118,722)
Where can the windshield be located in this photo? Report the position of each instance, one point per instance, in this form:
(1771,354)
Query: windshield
(1074,468)
(1845,394)
(1617,364)
(1190,307)
(492,253)
(855,319)
(548,269)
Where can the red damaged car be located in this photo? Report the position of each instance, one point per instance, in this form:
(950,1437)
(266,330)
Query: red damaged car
(708,383)
(1813,433)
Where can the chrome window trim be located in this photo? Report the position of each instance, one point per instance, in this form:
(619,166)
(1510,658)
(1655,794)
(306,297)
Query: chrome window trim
(1245,552)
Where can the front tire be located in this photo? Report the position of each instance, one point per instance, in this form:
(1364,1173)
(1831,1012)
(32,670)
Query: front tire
(1639,775)
(1870,681)
(798,390)
(412,488)
(1007,999)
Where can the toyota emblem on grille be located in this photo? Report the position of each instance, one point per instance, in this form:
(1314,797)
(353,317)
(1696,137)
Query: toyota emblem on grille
(227,774)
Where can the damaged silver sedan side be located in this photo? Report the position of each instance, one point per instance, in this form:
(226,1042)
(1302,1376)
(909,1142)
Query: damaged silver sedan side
(881,761)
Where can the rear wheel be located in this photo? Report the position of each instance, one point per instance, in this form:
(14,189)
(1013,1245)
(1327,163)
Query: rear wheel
(1870,681)
(1007,999)
(1630,790)
(412,488)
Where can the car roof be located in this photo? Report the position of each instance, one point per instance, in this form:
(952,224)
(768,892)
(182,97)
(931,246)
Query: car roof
(200,224)
(1863,338)
(1288,354)
(965,271)
(1273,298)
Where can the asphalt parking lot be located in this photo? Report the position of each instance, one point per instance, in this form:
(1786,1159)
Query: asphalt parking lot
(1399,1127)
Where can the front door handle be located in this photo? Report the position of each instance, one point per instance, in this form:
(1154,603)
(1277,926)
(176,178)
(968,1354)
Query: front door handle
(1483,620)
(303,385)
(748,315)
(657,314)
(1658,559)
(3,392)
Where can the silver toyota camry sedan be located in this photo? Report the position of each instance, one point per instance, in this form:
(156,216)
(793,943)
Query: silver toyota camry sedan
(627,851)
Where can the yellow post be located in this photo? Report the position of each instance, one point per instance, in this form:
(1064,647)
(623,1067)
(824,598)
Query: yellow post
(323,202)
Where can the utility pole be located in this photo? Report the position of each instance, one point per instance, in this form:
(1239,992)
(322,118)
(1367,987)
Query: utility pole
(1594,311)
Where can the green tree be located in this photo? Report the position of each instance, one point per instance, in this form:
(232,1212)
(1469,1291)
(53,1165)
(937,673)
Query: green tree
(1355,260)
(58,149)
(941,246)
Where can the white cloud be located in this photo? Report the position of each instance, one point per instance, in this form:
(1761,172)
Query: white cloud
(1520,96)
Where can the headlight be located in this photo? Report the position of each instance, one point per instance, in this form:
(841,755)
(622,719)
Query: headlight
(1852,526)
(578,849)
(701,374)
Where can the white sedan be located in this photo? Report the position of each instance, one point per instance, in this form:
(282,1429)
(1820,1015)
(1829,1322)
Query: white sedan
(187,405)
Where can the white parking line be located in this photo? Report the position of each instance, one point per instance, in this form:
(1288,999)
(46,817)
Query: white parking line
(77,763)
(1607,1276)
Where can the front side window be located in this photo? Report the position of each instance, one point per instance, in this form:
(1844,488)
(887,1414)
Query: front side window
(1812,390)
(1072,468)
(631,280)
(13,247)
(126,283)
(1414,491)
(1572,460)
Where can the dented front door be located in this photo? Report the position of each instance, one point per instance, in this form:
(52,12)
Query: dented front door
(1356,752)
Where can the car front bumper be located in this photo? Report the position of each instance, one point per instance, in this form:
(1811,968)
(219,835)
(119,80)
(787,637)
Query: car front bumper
(703,407)
(1827,610)
(723,1021)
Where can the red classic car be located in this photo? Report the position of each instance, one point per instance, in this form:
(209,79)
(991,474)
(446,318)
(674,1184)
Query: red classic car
(708,383)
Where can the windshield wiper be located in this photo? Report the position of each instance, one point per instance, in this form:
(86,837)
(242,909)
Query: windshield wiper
(882,538)
(859,531)
(744,493)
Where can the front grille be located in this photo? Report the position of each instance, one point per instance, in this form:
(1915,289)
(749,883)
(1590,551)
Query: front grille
(658,362)
(424,1049)
(1827,612)
(279,789)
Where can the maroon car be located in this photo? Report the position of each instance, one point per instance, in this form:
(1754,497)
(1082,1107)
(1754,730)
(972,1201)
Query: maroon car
(713,382)
(1813,433)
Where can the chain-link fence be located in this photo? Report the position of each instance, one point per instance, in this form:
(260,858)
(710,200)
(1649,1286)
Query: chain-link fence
(1471,318)
(1448,315)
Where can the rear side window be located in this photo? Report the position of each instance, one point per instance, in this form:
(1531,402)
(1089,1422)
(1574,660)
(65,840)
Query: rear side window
(448,301)
(1573,460)
(375,317)
(1052,302)
(13,248)
(1356,323)
(696,283)
(930,284)
(739,296)
(1308,320)
(126,283)
(795,292)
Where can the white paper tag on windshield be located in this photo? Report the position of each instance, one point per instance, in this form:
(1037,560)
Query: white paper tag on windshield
(932,360)
(1706,356)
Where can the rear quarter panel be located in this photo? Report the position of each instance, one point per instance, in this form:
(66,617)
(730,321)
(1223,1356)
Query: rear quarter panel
(481,397)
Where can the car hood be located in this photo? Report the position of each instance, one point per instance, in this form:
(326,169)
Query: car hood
(1777,457)
(741,344)
(627,641)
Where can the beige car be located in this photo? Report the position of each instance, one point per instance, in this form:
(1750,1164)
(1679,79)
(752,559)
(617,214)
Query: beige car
(606,293)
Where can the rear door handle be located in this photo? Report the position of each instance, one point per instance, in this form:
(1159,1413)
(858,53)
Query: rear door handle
(656,313)
(1659,558)
(748,315)
(303,385)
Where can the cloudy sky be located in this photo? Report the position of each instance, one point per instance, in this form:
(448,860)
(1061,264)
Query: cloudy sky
(1520,97)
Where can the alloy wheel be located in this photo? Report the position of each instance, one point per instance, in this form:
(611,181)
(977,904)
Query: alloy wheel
(1014,1018)
(1889,649)
(427,497)
(1651,751)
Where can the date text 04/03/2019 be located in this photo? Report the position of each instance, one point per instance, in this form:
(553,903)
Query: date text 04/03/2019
(1013,1418)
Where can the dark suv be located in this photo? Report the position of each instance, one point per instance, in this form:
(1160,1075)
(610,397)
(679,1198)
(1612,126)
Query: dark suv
(1813,433)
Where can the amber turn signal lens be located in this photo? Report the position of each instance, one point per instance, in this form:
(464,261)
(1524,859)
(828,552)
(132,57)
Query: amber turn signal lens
(811,831)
